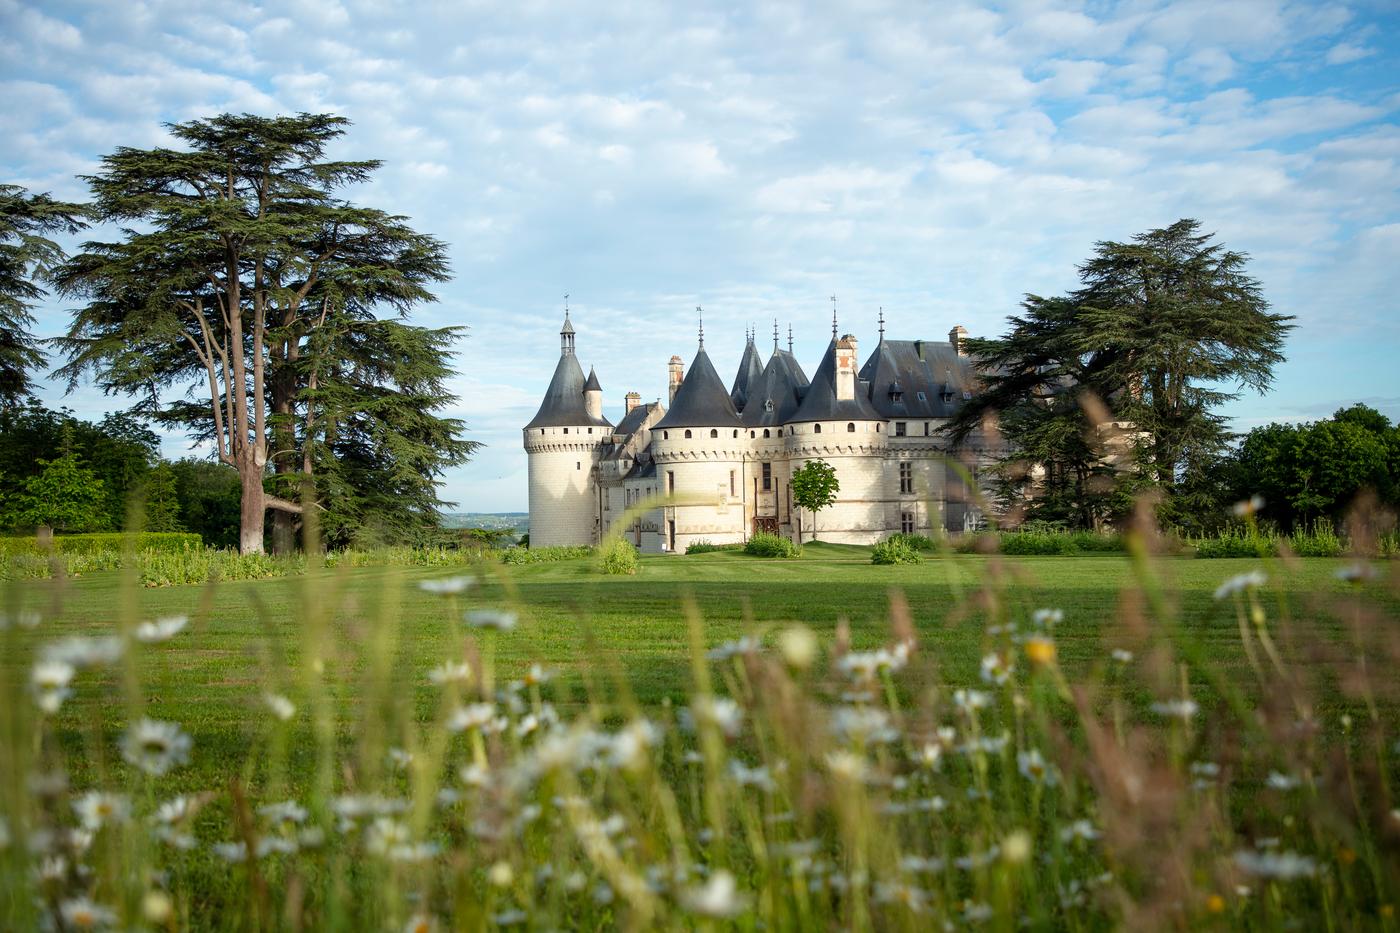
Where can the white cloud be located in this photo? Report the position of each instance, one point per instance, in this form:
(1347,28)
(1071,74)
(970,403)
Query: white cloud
(1344,53)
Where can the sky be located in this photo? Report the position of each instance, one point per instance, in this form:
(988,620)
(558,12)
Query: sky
(937,160)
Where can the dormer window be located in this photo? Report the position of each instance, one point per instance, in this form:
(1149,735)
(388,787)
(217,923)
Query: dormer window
(768,404)
(923,397)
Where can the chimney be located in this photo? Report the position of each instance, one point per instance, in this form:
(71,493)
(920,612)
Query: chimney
(846,368)
(633,400)
(677,375)
(956,336)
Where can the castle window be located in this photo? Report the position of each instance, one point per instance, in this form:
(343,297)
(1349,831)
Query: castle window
(714,432)
(765,432)
(877,428)
(687,433)
(906,522)
(780,432)
(900,428)
(767,477)
(925,429)
(671,482)
(590,430)
(566,430)
(816,429)
(731,482)
(906,477)
(850,427)
(755,433)
(665,435)
(736,433)
(578,464)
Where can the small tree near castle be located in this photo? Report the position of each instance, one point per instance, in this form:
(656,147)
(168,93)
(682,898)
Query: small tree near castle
(814,487)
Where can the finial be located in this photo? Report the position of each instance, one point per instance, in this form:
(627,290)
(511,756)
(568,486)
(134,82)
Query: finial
(882,323)
(700,313)
(789,337)
(775,335)
(566,304)
(833,317)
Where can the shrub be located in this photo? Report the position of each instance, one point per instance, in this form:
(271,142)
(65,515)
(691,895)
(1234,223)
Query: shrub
(1236,541)
(100,542)
(619,558)
(545,555)
(917,542)
(708,547)
(1037,542)
(764,544)
(895,550)
(1318,541)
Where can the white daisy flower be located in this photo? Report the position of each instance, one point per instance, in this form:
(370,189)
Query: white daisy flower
(498,619)
(1122,655)
(721,712)
(447,586)
(1033,766)
(1240,583)
(420,923)
(472,716)
(160,630)
(283,708)
(746,645)
(288,811)
(1048,618)
(155,747)
(450,672)
(95,809)
(759,777)
(1079,829)
(969,700)
(1282,866)
(1280,781)
(81,913)
(1185,710)
(996,669)
(49,680)
(82,652)
(719,897)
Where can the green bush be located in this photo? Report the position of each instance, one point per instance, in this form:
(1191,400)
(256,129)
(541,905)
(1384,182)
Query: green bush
(619,558)
(764,544)
(544,555)
(895,550)
(1037,542)
(101,542)
(917,542)
(1318,541)
(708,547)
(1236,541)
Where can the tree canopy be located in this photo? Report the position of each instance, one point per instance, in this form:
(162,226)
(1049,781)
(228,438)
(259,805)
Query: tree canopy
(1116,386)
(26,258)
(243,277)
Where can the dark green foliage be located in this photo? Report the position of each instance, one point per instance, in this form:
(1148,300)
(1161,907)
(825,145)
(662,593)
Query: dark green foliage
(764,544)
(545,555)
(160,500)
(209,495)
(1318,540)
(26,257)
(814,487)
(1114,388)
(114,542)
(64,495)
(242,274)
(1313,471)
(895,550)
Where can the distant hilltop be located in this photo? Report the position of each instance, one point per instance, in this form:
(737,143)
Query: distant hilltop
(519,522)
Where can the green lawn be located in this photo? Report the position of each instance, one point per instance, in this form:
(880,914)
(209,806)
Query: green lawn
(243,633)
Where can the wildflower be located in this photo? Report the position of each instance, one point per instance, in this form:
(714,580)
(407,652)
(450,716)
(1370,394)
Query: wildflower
(931,755)
(385,834)
(718,897)
(1079,830)
(1247,507)
(1048,618)
(80,913)
(758,777)
(177,810)
(917,864)
(798,646)
(50,680)
(862,724)
(1122,656)
(1356,573)
(447,586)
(628,749)
(1033,767)
(157,907)
(1040,650)
(1016,847)
(537,675)
(160,630)
(976,912)
(846,765)
(1279,781)
(970,700)
(729,649)
(1240,583)
(996,669)
(288,811)
(721,712)
(473,716)
(83,652)
(1281,866)
(498,619)
(1206,769)
(912,898)
(1185,710)
(450,672)
(155,747)
(281,707)
(501,874)
(96,809)
(232,852)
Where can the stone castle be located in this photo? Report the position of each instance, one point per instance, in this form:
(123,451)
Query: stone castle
(715,465)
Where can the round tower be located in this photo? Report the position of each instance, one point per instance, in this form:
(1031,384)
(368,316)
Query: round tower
(563,444)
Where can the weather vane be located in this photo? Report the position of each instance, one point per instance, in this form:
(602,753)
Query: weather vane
(833,317)
(700,313)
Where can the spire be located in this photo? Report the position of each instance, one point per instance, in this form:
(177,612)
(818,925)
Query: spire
(566,333)
(789,337)
(700,313)
(775,335)
(833,317)
(882,323)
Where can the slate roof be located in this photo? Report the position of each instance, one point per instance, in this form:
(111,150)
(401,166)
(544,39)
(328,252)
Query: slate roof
(911,367)
(634,419)
(748,376)
(592,384)
(702,400)
(781,383)
(563,400)
(820,402)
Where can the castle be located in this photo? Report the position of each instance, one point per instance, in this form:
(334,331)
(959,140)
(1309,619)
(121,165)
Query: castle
(717,462)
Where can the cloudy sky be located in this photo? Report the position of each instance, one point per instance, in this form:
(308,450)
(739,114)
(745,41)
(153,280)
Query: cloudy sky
(934,159)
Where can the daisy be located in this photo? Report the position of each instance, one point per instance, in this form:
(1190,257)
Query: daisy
(447,586)
(1185,710)
(50,680)
(1283,866)
(718,897)
(96,809)
(80,913)
(1240,583)
(969,700)
(283,708)
(81,652)
(1047,618)
(721,712)
(1122,656)
(1033,767)
(161,629)
(1079,829)
(472,716)
(450,672)
(288,811)
(155,747)
(498,619)
(996,669)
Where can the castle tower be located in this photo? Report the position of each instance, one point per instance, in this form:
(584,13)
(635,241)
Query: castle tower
(563,444)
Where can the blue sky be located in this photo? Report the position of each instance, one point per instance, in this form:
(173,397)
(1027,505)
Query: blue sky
(936,159)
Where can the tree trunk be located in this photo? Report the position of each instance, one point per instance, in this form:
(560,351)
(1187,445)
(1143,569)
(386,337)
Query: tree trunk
(250,529)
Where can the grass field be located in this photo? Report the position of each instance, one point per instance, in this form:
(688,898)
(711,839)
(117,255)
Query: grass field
(620,647)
